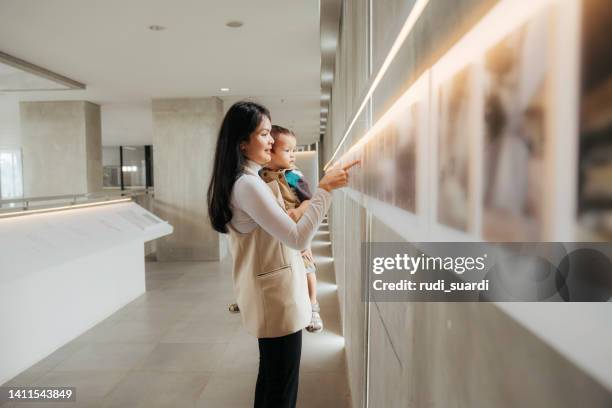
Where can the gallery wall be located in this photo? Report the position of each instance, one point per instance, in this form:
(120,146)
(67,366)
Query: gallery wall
(471,134)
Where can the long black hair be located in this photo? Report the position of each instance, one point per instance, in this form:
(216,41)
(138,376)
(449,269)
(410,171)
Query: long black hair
(240,121)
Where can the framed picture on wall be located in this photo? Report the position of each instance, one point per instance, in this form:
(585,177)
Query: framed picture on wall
(489,158)
(516,98)
(387,164)
(355,173)
(492,120)
(454,119)
(368,168)
(408,128)
(393,162)
(595,142)
(378,158)
(361,170)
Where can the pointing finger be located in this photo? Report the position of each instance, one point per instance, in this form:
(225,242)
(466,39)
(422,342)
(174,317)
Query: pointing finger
(351,164)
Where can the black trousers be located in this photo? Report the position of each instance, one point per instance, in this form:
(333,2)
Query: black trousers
(279,371)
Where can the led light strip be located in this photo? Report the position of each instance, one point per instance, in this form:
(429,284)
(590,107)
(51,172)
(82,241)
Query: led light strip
(54,209)
(415,13)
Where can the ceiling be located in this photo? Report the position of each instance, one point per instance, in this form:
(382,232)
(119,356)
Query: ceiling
(275,57)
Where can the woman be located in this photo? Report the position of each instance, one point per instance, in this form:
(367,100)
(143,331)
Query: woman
(268,273)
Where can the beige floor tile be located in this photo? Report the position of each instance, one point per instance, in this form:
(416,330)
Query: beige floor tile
(30,375)
(153,389)
(90,385)
(322,352)
(212,311)
(158,271)
(205,290)
(219,294)
(86,403)
(219,276)
(228,390)
(198,330)
(56,357)
(106,356)
(178,346)
(101,328)
(24,378)
(223,404)
(131,331)
(157,284)
(317,390)
(170,297)
(151,313)
(240,356)
(181,357)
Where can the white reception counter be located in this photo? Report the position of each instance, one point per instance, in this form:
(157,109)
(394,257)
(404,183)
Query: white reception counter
(63,272)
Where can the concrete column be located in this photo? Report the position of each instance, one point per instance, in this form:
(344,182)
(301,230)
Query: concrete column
(184,139)
(62,147)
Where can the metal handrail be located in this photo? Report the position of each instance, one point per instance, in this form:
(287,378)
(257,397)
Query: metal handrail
(47,198)
(70,199)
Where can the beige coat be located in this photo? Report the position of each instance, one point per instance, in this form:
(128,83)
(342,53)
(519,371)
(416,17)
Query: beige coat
(269,282)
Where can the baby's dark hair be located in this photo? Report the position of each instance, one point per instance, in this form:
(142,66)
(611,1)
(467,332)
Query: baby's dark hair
(279,130)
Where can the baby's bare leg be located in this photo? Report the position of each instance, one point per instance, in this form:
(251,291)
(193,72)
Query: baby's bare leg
(311,278)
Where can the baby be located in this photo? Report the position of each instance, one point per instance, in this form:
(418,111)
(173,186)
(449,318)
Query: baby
(296,195)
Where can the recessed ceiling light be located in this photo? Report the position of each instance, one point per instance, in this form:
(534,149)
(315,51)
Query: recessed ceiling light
(224,89)
(234,24)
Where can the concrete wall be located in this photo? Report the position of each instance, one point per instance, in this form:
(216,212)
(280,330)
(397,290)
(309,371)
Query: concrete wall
(184,137)
(428,354)
(62,149)
(93,147)
(111,156)
(10,133)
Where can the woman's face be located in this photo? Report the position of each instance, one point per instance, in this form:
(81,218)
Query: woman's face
(260,142)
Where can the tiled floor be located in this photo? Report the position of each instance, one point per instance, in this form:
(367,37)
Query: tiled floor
(178,346)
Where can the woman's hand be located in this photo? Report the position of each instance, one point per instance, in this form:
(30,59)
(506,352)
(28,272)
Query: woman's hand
(294,214)
(297,213)
(307,253)
(336,177)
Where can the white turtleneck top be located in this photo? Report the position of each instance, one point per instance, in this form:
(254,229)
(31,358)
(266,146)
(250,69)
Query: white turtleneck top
(253,204)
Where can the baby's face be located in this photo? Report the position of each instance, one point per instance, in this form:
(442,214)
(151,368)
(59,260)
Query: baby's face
(283,152)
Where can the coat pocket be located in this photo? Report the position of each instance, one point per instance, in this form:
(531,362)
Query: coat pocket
(278,292)
(273,272)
